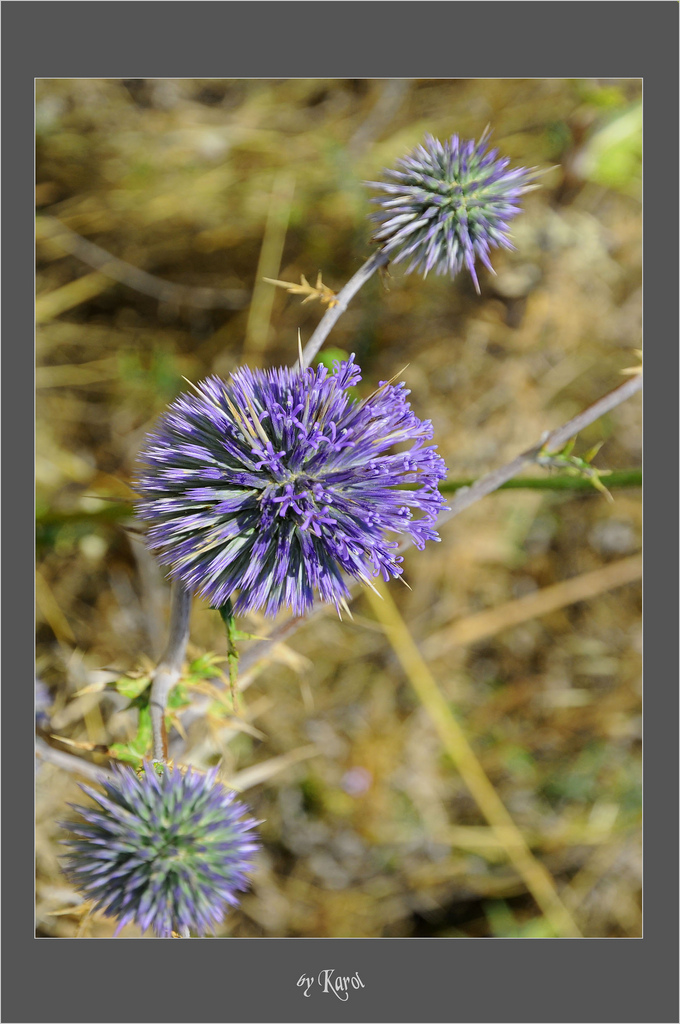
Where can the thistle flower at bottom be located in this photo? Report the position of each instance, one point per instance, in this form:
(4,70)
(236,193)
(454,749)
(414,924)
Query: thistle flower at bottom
(272,484)
(448,204)
(167,852)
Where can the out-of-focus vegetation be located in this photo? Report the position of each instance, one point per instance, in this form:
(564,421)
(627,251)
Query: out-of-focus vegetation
(210,186)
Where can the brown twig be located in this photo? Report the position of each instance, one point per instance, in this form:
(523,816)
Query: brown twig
(118,270)
(70,762)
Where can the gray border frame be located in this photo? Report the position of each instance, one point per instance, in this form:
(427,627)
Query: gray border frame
(435,980)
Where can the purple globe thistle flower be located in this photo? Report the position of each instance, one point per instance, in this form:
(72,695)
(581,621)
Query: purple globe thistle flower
(451,203)
(167,851)
(274,483)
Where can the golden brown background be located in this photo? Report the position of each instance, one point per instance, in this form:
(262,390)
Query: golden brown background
(368,828)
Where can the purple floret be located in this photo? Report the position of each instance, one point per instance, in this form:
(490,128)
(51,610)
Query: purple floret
(274,484)
(448,205)
(167,852)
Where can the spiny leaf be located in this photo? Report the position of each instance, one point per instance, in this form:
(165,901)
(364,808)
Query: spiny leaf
(131,687)
(178,697)
(319,291)
(205,665)
(592,452)
(574,465)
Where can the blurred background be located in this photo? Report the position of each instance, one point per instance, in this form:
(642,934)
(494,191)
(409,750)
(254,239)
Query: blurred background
(161,206)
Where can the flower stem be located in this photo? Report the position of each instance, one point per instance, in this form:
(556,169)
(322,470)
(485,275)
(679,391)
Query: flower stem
(333,314)
(227,615)
(617,478)
(169,667)
(553,439)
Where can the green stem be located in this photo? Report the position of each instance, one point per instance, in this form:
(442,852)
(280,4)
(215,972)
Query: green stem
(618,478)
(227,615)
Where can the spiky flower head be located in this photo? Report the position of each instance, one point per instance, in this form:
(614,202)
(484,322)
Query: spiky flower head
(449,204)
(166,851)
(276,482)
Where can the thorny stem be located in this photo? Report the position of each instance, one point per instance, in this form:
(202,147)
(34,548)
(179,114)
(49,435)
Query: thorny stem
(70,762)
(169,667)
(333,314)
(617,478)
(466,497)
(553,440)
(227,615)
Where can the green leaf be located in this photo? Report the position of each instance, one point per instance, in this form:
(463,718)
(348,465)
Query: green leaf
(178,697)
(141,744)
(122,752)
(205,666)
(132,688)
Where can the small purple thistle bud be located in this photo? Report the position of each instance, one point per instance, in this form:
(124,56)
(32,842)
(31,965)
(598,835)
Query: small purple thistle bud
(166,851)
(448,205)
(274,483)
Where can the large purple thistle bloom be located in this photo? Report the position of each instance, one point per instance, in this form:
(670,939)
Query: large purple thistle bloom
(276,482)
(166,852)
(449,204)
